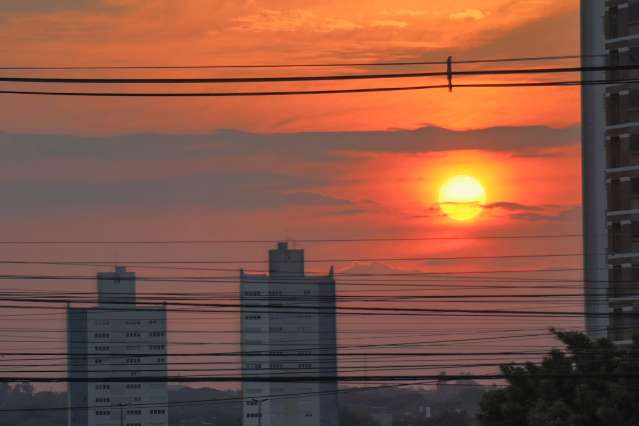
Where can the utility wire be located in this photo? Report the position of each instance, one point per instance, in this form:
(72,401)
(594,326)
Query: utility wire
(327,260)
(317,92)
(294,65)
(343,77)
(305,379)
(296,240)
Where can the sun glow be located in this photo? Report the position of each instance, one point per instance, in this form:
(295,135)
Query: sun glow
(462,198)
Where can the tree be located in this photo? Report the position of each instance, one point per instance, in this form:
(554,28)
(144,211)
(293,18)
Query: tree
(590,383)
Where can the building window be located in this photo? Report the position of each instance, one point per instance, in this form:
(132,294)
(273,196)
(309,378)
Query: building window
(157,411)
(103,413)
(101,348)
(633,11)
(134,412)
(253,366)
(102,387)
(133,334)
(305,365)
(101,335)
(252,293)
(252,317)
(156,347)
(277,365)
(134,386)
(253,415)
(102,400)
(156,334)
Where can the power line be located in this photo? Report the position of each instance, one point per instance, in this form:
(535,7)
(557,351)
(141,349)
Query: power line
(297,240)
(343,77)
(293,65)
(304,379)
(327,260)
(222,94)
(316,92)
(314,310)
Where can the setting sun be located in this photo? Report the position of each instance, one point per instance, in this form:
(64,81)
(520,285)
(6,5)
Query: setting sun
(462,197)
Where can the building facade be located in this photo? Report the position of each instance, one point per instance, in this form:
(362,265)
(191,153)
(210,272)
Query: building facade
(610,117)
(113,340)
(288,328)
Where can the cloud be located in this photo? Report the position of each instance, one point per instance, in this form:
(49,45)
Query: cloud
(312,146)
(536,213)
(404,12)
(269,20)
(223,190)
(566,214)
(505,205)
(471,14)
(389,23)
(39,6)
(231,169)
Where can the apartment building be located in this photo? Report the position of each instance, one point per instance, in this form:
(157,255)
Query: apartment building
(288,329)
(117,339)
(610,116)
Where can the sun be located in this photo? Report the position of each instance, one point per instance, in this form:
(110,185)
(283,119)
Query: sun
(462,198)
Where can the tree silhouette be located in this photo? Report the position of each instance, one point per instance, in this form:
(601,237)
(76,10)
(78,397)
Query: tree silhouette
(590,383)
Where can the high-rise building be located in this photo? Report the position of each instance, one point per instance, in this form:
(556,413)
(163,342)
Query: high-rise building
(288,327)
(113,340)
(610,153)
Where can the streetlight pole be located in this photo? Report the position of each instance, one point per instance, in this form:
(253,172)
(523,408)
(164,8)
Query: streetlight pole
(122,405)
(259,410)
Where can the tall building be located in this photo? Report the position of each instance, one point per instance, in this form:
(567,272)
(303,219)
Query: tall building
(610,153)
(279,339)
(117,339)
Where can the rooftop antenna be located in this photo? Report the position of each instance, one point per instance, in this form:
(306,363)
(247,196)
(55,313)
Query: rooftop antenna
(289,240)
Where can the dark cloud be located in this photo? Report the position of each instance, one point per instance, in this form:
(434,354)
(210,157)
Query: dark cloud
(568,214)
(31,6)
(348,212)
(310,145)
(228,190)
(225,169)
(505,205)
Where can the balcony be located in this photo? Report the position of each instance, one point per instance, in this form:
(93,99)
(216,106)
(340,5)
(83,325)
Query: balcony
(622,107)
(623,282)
(622,239)
(623,152)
(623,195)
(623,325)
(625,58)
(622,21)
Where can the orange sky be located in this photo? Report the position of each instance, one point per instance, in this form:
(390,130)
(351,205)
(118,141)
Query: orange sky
(347,166)
(143,32)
